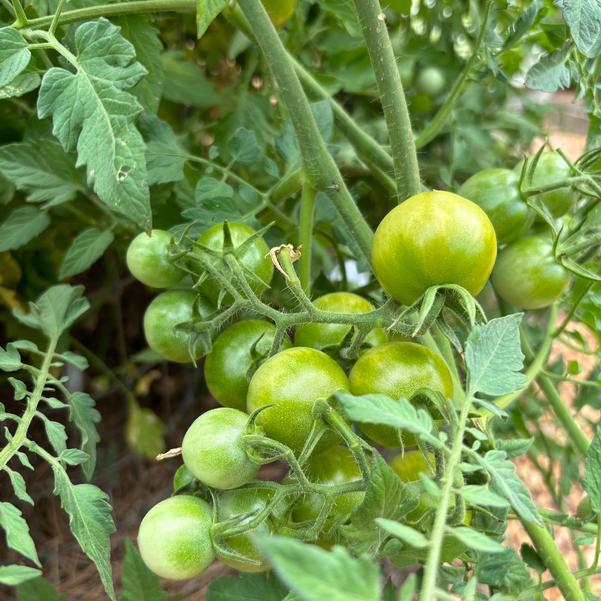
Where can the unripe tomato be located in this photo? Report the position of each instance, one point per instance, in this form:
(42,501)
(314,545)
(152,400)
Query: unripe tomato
(279,11)
(431,81)
(433,238)
(174,537)
(332,467)
(327,335)
(292,381)
(148,260)
(527,275)
(398,369)
(212,451)
(166,311)
(549,169)
(254,257)
(234,503)
(496,191)
(408,467)
(236,351)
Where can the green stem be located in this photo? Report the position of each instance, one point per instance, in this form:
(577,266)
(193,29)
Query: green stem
(136,7)
(438,121)
(557,333)
(21,20)
(307,215)
(56,17)
(432,565)
(527,593)
(320,168)
(20,435)
(388,79)
(554,560)
(575,434)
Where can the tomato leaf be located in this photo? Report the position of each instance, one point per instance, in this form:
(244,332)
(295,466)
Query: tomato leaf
(551,72)
(15,574)
(90,521)
(381,409)
(93,113)
(87,247)
(139,583)
(475,540)
(38,589)
(584,20)
(14,54)
(17,532)
(84,415)
(494,357)
(408,535)
(22,226)
(145,39)
(506,483)
(592,471)
(315,574)
(247,587)
(206,12)
(42,169)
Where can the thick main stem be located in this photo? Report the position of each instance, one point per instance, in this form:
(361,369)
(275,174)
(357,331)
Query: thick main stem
(553,559)
(307,214)
(388,80)
(321,170)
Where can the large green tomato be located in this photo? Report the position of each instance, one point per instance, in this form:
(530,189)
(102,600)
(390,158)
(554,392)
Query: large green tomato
(549,169)
(331,335)
(148,260)
(253,258)
(526,274)
(433,238)
(331,467)
(291,382)
(233,503)
(497,192)
(166,311)
(236,351)
(212,451)
(398,369)
(174,537)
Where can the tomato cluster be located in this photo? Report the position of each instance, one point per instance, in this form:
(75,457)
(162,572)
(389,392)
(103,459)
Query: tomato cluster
(271,387)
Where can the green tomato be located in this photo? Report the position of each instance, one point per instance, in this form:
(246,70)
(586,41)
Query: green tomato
(549,169)
(327,335)
(496,191)
(527,275)
(431,81)
(398,369)
(253,258)
(148,260)
(279,11)
(212,451)
(433,238)
(291,382)
(233,503)
(331,467)
(166,311)
(174,537)
(236,351)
